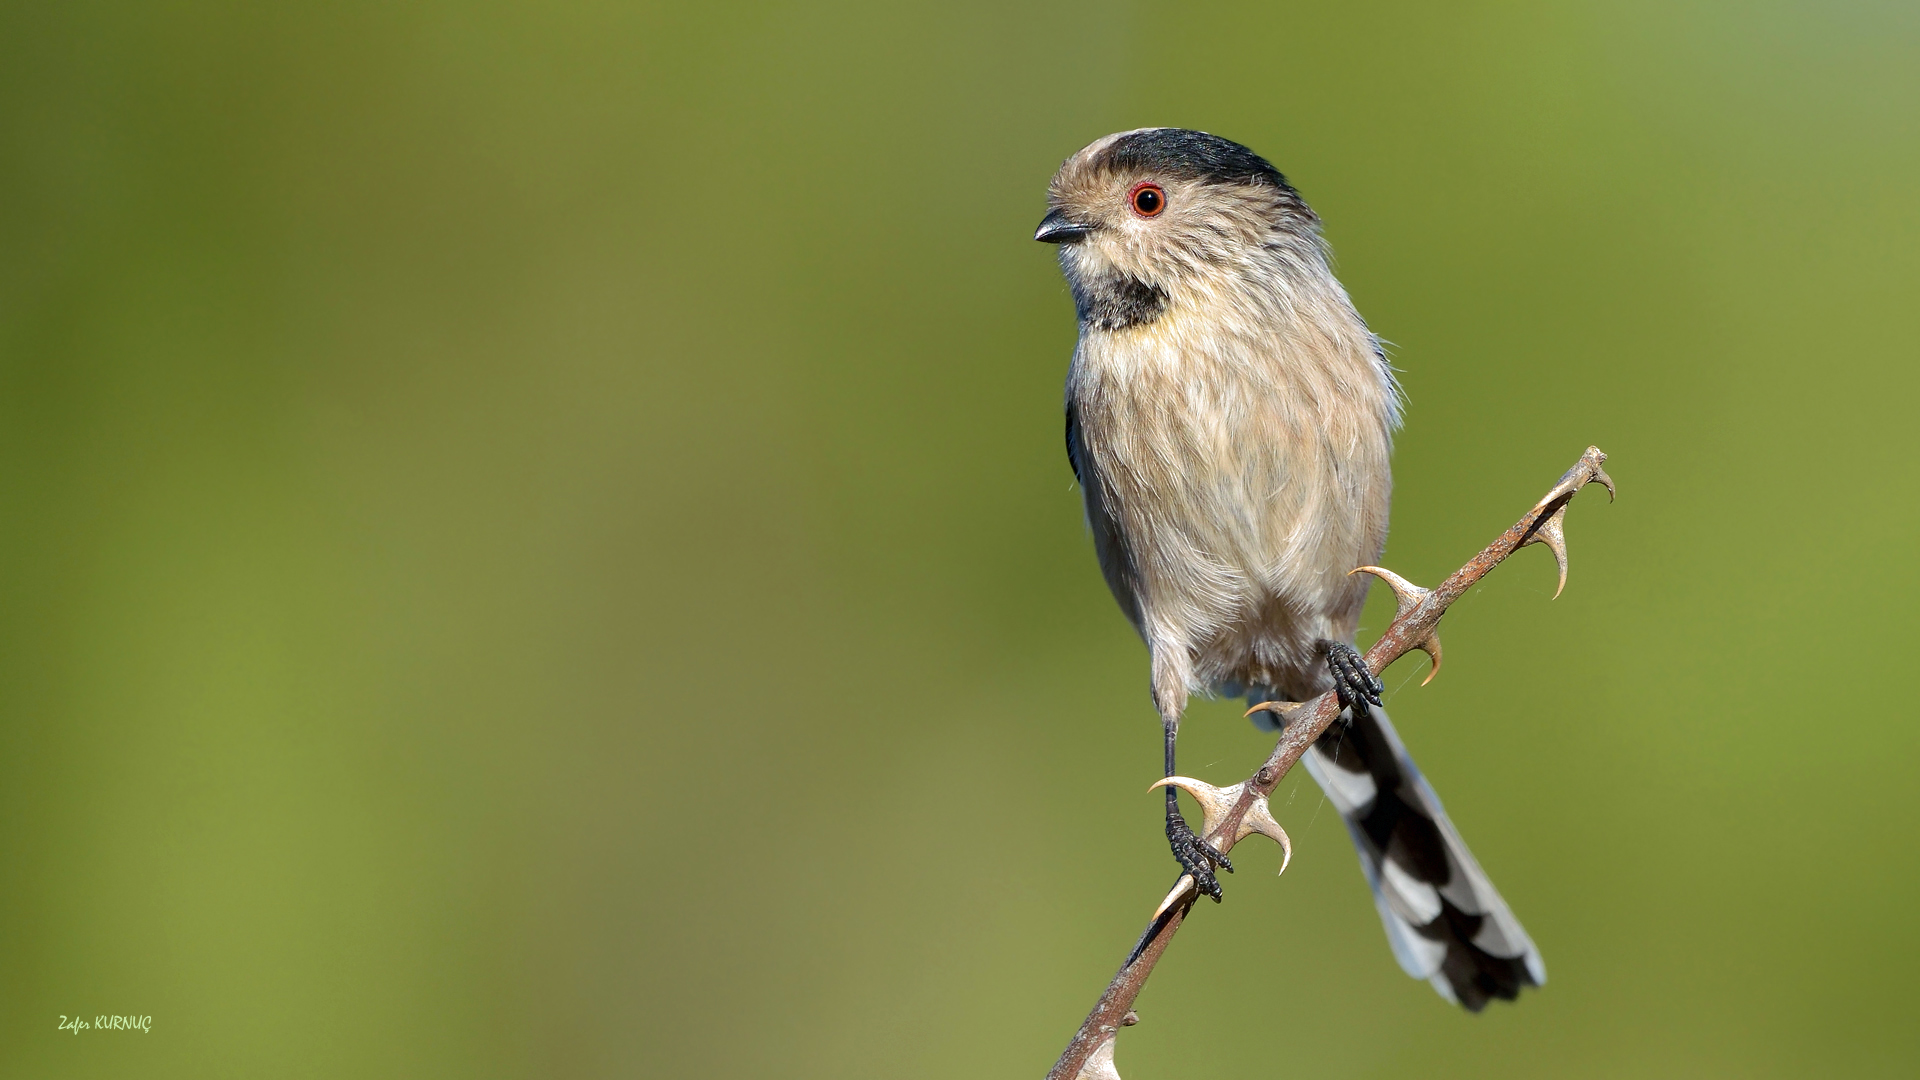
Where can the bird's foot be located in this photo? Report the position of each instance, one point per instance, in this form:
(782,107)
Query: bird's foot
(1197,857)
(1352,679)
(1228,822)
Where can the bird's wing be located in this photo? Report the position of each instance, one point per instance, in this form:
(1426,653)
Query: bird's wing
(1109,541)
(1446,922)
(1073,446)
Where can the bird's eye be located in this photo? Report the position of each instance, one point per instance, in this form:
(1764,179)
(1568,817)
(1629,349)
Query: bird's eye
(1148,200)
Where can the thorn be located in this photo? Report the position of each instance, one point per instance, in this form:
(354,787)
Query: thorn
(1552,529)
(1277,708)
(1408,596)
(1553,533)
(1216,804)
(1431,647)
(1600,477)
(1572,482)
(1180,890)
(1405,593)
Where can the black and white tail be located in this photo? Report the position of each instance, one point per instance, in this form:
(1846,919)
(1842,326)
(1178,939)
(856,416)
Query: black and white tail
(1446,922)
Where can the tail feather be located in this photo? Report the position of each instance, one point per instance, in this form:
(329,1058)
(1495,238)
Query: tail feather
(1444,919)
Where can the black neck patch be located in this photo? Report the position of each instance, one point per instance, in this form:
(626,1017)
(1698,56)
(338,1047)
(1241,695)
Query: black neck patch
(1118,302)
(1191,155)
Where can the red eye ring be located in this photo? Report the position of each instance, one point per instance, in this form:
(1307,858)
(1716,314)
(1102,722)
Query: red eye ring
(1147,199)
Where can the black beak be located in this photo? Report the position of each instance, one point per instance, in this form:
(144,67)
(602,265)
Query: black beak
(1057,228)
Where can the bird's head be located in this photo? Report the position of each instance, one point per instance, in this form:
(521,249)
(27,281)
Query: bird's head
(1143,216)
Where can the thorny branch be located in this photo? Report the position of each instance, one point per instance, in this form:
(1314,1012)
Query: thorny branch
(1236,812)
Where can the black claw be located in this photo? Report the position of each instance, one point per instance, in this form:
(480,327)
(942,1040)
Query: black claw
(1196,856)
(1353,681)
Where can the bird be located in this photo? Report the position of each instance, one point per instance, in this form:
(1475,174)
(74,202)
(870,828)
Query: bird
(1229,421)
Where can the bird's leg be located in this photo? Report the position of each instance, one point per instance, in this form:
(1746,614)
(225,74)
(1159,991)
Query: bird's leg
(1353,681)
(1196,856)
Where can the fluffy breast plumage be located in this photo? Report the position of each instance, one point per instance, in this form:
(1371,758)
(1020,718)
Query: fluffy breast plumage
(1233,475)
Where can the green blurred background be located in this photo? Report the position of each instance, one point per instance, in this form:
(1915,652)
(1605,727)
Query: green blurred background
(536,538)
